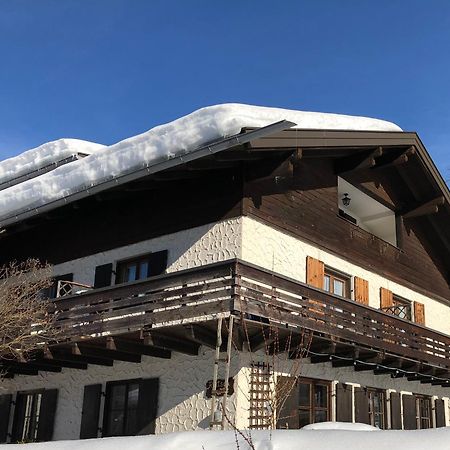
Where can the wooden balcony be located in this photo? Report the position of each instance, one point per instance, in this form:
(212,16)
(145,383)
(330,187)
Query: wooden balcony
(179,311)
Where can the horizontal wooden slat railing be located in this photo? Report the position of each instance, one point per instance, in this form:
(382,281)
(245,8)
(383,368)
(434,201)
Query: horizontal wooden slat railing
(165,299)
(289,302)
(241,288)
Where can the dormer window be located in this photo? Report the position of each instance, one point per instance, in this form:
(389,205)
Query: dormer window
(366,212)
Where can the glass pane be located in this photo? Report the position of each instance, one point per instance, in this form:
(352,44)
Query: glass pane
(326,283)
(130,273)
(131,428)
(133,395)
(143,270)
(338,287)
(321,396)
(115,423)
(320,416)
(378,421)
(118,396)
(305,394)
(304,418)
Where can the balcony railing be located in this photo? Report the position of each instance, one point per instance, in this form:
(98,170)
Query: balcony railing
(239,288)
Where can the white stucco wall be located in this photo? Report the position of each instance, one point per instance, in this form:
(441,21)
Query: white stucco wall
(182,405)
(270,248)
(194,247)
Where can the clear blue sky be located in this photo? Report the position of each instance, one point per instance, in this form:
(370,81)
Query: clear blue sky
(104,70)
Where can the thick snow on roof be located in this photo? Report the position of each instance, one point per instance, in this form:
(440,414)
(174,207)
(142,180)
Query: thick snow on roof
(162,143)
(437,439)
(42,156)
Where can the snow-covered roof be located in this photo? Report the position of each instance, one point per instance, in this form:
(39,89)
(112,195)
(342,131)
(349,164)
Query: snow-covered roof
(161,143)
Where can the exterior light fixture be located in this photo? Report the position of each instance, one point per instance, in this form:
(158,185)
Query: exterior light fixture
(346,199)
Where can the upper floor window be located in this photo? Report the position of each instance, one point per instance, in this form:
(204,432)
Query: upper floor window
(141,267)
(366,212)
(336,283)
(401,308)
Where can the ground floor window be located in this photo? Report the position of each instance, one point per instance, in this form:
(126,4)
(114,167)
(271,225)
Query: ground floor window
(377,408)
(34,416)
(306,401)
(423,412)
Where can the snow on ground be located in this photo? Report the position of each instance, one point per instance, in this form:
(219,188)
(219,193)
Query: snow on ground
(437,439)
(44,155)
(162,143)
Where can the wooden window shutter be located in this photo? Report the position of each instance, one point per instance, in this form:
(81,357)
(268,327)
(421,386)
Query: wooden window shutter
(5,408)
(19,417)
(315,272)
(103,275)
(47,415)
(157,264)
(409,412)
(148,405)
(361,291)
(361,405)
(91,411)
(386,298)
(396,411)
(419,313)
(440,413)
(288,391)
(344,407)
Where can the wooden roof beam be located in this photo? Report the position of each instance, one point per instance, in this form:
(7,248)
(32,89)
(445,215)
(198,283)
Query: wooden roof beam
(403,158)
(173,343)
(430,207)
(361,161)
(136,348)
(96,351)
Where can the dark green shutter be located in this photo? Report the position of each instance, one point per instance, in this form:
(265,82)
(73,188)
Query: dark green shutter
(19,417)
(103,276)
(362,405)
(148,405)
(440,413)
(47,415)
(344,403)
(91,411)
(288,416)
(157,263)
(396,411)
(409,412)
(5,408)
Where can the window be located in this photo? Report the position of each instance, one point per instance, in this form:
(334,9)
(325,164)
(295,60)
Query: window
(314,404)
(121,407)
(130,408)
(30,409)
(34,415)
(142,267)
(423,412)
(377,402)
(336,283)
(401,308)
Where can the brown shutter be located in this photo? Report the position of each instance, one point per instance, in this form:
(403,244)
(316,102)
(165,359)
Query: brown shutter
(409,412)
(362,405)
(91,411)
(386,298)
(147,405)
(5,408)
(344,403)
(315,272)
(419,313)
(361,291)
(288,396)
(396,411)
(440,413)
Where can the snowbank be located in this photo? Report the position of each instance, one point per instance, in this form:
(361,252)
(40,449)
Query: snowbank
(164,142)
(437,439)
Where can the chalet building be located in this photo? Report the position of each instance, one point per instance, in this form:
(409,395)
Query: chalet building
(307,252)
